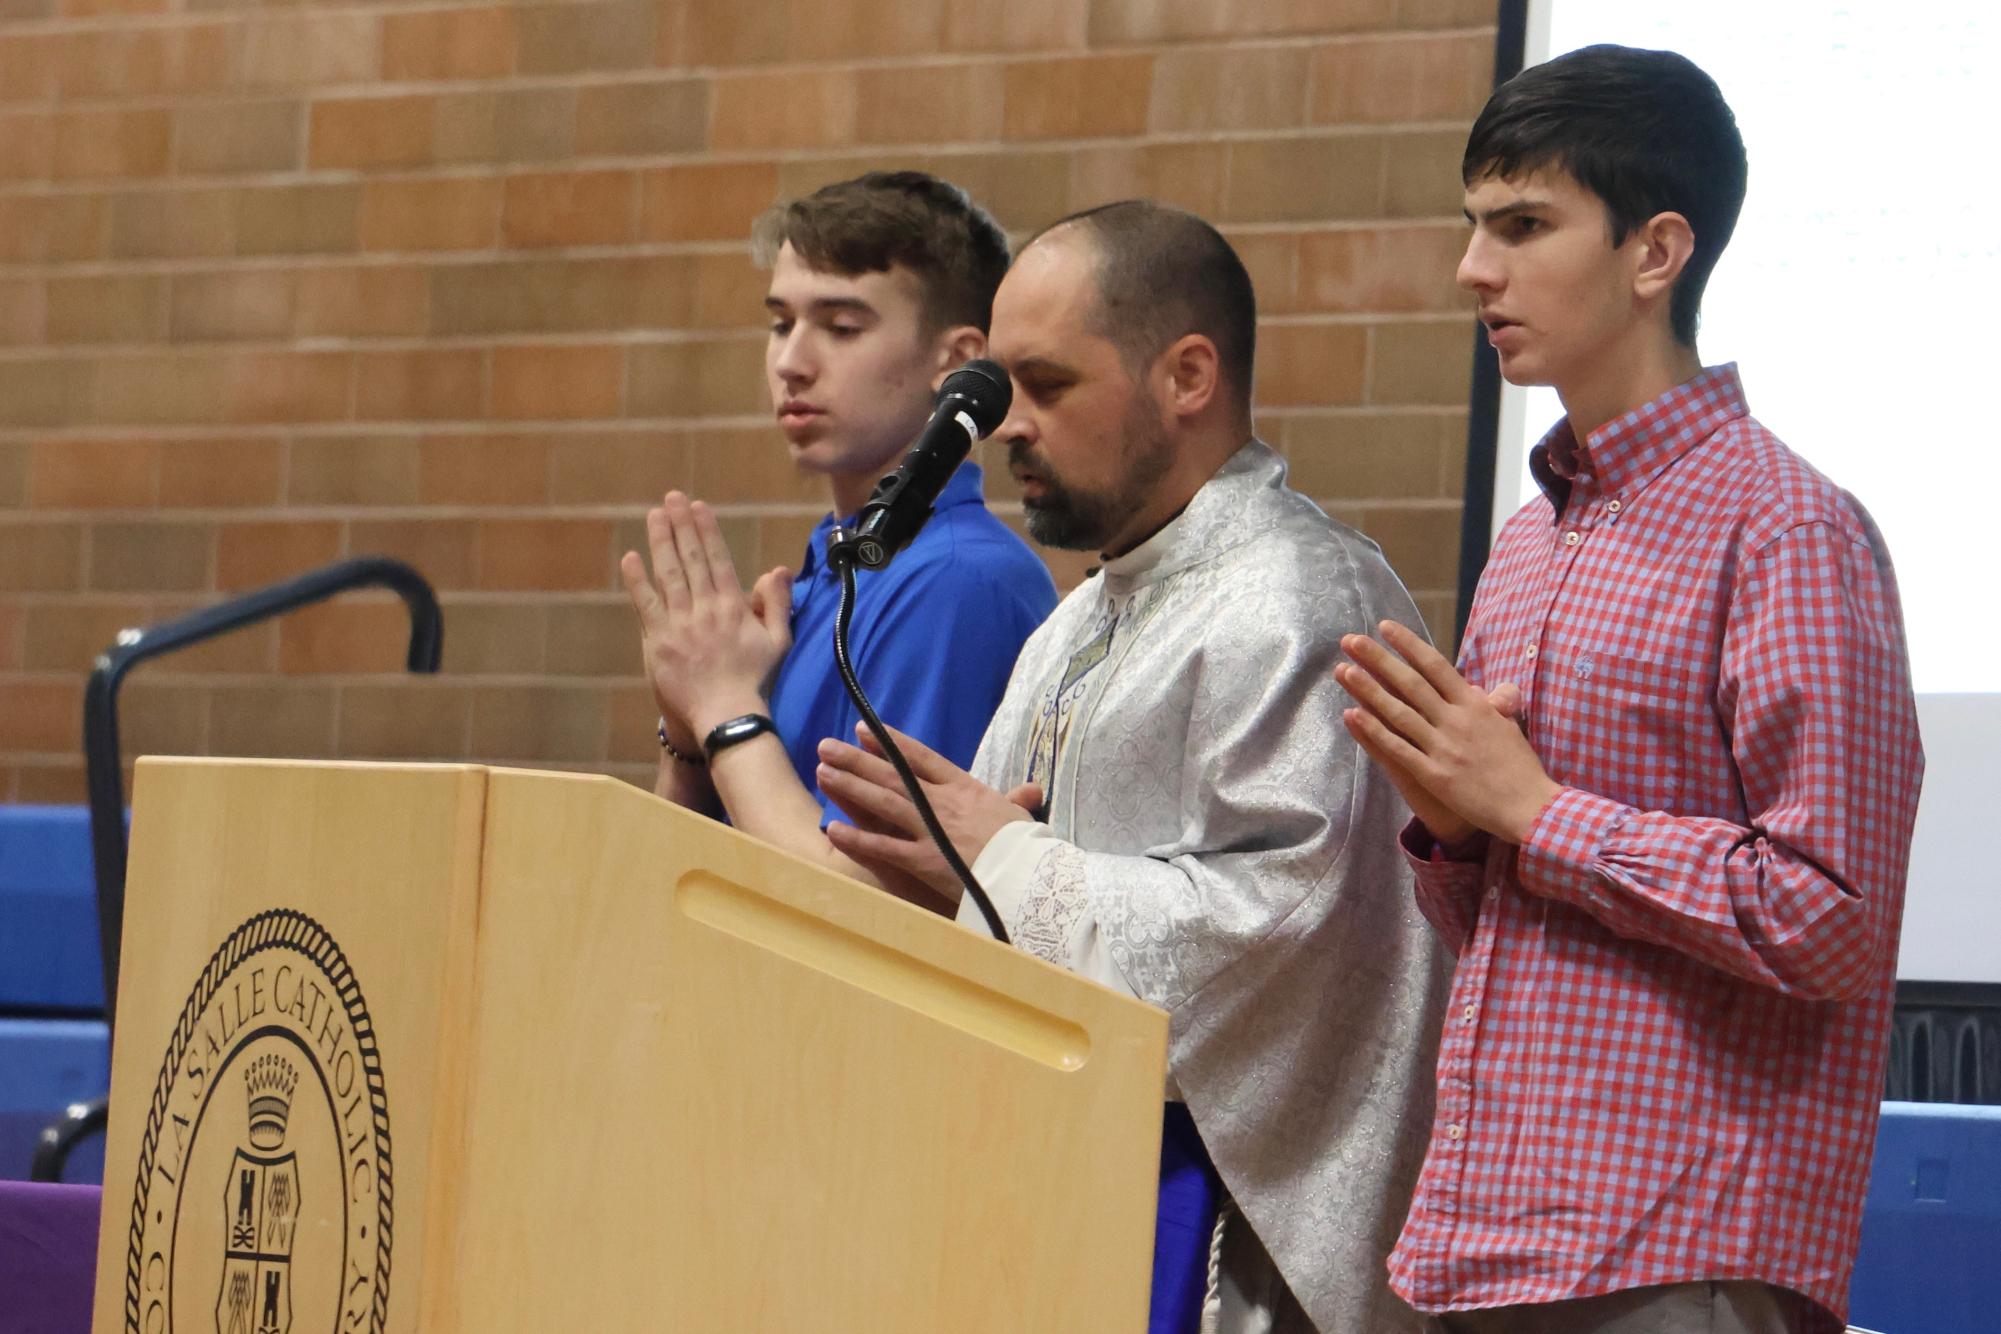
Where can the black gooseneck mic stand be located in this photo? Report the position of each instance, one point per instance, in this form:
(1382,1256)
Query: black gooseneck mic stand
(971,403)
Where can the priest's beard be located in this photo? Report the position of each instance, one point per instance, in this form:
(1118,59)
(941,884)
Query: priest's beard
(1070,518)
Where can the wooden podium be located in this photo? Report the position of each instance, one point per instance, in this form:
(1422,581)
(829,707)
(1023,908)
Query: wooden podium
(447,1048)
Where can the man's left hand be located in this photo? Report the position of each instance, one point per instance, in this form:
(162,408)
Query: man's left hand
(888,833)
(1419,714)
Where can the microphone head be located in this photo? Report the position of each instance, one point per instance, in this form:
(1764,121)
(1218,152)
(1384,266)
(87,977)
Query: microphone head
(984,391)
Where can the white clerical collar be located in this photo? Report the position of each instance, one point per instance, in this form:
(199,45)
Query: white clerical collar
(1207,527)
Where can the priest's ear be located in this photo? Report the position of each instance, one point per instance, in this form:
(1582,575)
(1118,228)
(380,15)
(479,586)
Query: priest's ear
(1189,376)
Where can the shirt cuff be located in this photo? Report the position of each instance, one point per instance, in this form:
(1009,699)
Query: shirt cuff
(1005,867)
(1434,869)
(1566,845)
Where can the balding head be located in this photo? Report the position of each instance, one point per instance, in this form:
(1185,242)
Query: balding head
(1162,274)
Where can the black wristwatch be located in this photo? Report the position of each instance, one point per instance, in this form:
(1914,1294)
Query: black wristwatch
(736,731)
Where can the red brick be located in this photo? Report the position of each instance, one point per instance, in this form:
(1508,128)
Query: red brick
(116,308)
(298,220)
(221,473)
(287,386)
(129,61)
(41,715)
(253,303)
(347,470)
(430,384)
(1403,79)
(154,388)
(251,555)
(748,32)
(539,723)
(483,470)
(1317,179)
(1430,362)
(451,213)
(1310,364)
(99,144)
(27,68)
(174,224)
(568,208)
(222,137)
(449,44)
(1186,175)
(68,636)
(1020,26)
(905,104)
(150,556)
(372,132)
(716,378)
(794,109)
(626,467)
(1375,455)
(442,550)
(705,201)
(280,720)
(848,30)
(352,635)
(94,474)
(41,557)
(1383,269)
(540,383)
(545,554)
(371,300)
(728,293)
(628,119)
(27,146)
(1243,89)
(311,50)
(413,719)
(1081,98)
(576,38)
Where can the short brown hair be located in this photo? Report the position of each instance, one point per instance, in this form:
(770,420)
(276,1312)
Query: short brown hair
(929,226)
(1163,273)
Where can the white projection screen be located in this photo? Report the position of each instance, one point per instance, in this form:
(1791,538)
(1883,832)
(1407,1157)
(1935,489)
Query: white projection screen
(1854,298)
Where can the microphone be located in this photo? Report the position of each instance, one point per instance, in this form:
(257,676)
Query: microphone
(972,402)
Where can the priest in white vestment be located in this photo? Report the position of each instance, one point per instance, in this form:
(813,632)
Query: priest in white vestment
(1185,818)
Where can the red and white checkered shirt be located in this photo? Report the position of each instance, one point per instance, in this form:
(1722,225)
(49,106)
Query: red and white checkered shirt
(1664,1056)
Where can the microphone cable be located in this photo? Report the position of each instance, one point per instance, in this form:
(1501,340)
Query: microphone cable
(843,562)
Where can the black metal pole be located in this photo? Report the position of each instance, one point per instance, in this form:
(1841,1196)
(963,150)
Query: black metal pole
(103,772)
(1483,415)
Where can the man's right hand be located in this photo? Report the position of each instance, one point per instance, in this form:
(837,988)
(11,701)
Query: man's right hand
(708,648)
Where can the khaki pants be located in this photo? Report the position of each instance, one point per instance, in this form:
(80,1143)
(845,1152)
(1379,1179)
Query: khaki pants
(1677,1308)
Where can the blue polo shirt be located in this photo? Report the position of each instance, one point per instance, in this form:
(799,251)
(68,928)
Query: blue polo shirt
(933,640)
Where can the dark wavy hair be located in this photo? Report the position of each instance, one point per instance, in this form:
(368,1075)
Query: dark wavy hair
(1646,131)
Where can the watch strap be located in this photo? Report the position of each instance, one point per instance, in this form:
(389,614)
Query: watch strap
(735,732)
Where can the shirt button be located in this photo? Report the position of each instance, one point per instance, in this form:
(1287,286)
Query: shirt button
(1572,538)
(1529,652)
(1468,1012)
(1613,507)
(1455,1132)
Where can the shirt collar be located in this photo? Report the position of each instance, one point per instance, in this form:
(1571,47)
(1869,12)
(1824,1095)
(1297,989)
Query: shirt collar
(1213,522)
(967,486)
(1626,453)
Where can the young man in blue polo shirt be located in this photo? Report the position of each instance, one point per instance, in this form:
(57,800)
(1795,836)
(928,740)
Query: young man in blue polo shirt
(880,286)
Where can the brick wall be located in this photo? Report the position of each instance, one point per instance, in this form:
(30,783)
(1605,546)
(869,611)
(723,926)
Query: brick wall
(466,284)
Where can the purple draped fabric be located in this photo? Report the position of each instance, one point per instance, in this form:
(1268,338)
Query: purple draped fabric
(48,1257)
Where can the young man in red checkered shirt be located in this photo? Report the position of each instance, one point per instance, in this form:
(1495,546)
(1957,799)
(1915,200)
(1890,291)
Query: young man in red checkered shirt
(1664,803)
